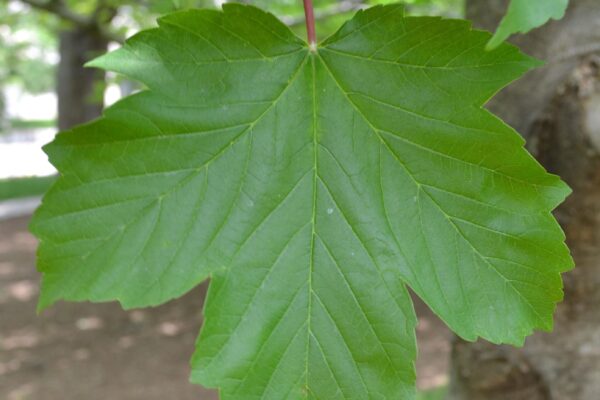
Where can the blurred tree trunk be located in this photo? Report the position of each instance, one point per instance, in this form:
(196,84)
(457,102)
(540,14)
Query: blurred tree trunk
(557,109)
(80,90)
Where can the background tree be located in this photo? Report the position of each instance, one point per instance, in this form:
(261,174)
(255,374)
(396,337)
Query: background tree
(83,35)
(557,108)
(84,30)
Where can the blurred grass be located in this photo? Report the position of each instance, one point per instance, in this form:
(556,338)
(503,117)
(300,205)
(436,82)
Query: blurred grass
(433,394)
(31,124)
(25,187)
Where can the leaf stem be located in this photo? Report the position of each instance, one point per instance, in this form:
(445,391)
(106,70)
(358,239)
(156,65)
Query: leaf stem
(310,25)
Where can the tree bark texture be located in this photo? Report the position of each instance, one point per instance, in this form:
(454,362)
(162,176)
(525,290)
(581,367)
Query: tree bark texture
(80,90)
(557,109)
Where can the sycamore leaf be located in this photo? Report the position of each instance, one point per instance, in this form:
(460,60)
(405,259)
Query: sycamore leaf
(312,188)
(524,15)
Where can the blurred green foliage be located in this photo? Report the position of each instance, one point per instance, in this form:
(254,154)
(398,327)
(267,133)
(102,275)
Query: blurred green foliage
(27,49)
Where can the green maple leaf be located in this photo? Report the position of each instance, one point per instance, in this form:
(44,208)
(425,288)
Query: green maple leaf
(312,188)
(524,15)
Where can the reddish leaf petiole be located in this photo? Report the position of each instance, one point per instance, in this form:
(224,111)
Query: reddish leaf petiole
(310,25)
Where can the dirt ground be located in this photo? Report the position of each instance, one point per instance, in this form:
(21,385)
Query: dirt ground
(100,352)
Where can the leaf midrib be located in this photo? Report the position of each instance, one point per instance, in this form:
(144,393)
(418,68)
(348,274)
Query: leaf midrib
(314,214)
(314,236)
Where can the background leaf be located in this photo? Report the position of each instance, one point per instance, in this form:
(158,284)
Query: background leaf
(311,188)
(524,15)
